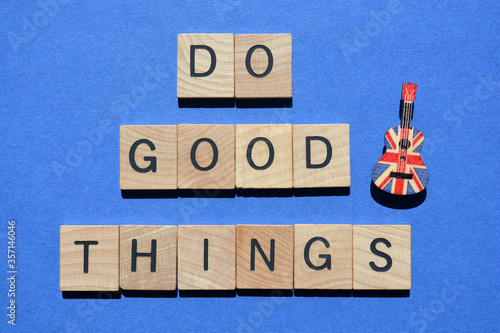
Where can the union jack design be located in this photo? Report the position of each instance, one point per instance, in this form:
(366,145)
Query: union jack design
(401,170)
(391,162)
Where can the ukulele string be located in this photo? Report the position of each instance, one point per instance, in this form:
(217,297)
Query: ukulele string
(403,142)
(404,137)
(407,132)
(401,136)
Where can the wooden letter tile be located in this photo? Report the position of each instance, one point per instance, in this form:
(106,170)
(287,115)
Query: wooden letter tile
(148,157)
(321,156)
(382,257)
(263,66)
(264,156)
(206,156)
(205,66)
(323,256)
(148,257)
(264,257)
(207,257)
(89,258)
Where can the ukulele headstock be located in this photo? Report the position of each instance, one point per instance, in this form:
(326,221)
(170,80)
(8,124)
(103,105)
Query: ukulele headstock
(409,92)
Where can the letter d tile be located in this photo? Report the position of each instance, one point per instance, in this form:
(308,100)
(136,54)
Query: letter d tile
(205,66)
(321,156)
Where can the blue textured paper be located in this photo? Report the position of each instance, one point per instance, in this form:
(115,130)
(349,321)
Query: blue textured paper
(71,74)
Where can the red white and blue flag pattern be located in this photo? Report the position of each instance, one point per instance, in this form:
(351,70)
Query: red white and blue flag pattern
(406,161)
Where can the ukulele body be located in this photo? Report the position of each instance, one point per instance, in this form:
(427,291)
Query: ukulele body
(401,170)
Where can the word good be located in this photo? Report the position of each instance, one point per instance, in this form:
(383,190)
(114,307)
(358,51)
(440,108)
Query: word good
(167,157)
(228,66)
(401,170)
(228,257)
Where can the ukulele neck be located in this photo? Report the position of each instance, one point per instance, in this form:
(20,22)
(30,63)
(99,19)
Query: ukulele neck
(408,97)
(407,114)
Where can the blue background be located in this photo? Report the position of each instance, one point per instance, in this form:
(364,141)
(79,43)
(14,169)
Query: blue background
(66,71)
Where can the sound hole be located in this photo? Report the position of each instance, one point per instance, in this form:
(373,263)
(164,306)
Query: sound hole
(404,144)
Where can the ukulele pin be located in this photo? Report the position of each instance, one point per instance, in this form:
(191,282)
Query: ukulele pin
(401,170)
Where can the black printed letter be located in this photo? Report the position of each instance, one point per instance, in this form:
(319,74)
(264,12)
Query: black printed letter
(271,154)
(213,60)
(381,254)
(215,154)
(328,157)
(131,157)
(269,263)
(328,258)
(205,254)
(86,253)
(269,64)
(152,254)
